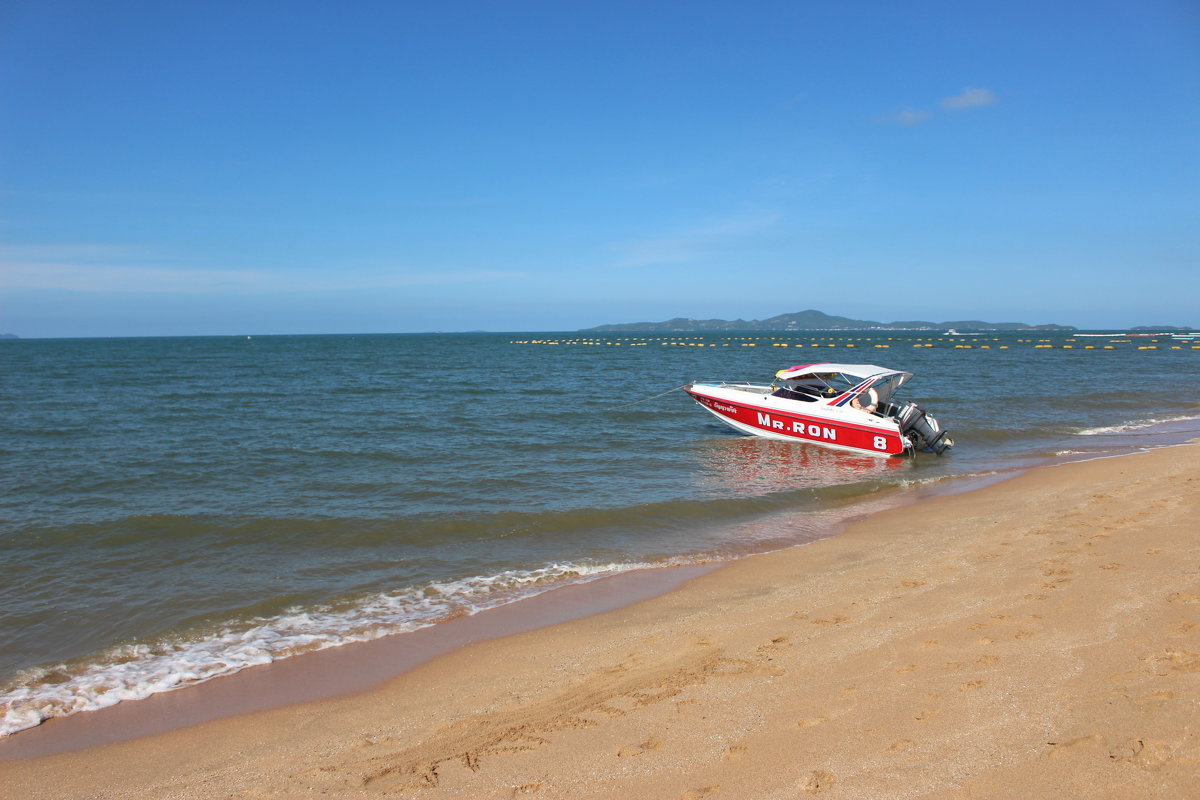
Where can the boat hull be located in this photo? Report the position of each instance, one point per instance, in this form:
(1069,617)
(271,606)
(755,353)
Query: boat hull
(761,414)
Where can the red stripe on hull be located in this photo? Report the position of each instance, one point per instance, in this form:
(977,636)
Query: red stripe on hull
(807,429)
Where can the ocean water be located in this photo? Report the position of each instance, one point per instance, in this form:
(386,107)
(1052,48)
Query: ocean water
(176,509)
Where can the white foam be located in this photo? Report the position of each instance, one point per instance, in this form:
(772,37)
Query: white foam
(132,672)
(1137,425)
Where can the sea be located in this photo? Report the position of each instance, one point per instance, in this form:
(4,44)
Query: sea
(178,509)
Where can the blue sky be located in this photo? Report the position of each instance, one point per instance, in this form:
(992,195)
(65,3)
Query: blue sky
(174,168)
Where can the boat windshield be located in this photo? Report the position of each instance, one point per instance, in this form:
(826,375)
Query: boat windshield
(821,384)
(887,385)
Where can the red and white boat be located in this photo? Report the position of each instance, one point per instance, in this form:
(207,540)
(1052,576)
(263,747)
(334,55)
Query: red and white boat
(843,406)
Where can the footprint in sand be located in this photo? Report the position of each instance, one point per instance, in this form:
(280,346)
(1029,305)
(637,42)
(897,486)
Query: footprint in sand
(819,781)
(1147,753)
(1073,747)
(1155,699)
(774,646)
(1173,660)
(696,794)
(528,788)
(1181,628)
(735,751)
(647,746)
(1056,584)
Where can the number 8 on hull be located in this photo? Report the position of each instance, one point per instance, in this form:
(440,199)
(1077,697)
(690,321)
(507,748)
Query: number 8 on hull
(843,406)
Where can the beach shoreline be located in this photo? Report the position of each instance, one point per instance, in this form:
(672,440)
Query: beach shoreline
(958,642)
(360,666)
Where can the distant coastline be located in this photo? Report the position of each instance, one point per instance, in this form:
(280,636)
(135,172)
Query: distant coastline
(813,320)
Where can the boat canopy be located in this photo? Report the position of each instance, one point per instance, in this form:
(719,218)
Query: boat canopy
(860,371)
(838,384)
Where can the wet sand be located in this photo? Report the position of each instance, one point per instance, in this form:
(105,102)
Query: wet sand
(1038,637)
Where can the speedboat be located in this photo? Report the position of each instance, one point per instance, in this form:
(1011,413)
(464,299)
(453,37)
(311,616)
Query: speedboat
(843,406)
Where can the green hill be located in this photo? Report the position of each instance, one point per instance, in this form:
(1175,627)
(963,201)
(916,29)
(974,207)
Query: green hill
(813,320)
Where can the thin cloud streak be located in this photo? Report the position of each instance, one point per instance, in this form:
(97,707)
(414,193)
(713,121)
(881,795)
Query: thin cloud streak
(908,117)
(693,244)
(970,97)
(80,276)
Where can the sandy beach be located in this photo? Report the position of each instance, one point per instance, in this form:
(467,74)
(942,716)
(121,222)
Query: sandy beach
(1039,637)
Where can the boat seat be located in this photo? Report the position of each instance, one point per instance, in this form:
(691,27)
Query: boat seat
(791,394)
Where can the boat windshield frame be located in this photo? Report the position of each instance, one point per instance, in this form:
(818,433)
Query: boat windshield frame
(885,386)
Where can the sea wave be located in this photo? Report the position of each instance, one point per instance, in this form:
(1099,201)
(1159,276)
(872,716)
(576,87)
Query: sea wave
(1139,424)
(783,492)
(138,670)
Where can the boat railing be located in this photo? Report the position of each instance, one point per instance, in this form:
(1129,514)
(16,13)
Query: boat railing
(743,386)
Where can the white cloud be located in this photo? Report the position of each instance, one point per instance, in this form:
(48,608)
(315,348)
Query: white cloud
(970,97)
(908,117)
(691,244)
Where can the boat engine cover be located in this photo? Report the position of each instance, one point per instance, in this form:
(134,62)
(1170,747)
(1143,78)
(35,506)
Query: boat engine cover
(915,420)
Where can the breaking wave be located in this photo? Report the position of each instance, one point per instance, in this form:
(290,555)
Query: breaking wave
(1139,425)
(139,670)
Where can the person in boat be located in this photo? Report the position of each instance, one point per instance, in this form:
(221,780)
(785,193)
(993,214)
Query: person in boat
(807,389)
(866,400)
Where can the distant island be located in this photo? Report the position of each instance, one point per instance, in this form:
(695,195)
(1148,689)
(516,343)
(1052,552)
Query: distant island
(812,320)
(9,336)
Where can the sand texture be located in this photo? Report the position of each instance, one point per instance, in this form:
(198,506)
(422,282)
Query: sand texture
(1035,638)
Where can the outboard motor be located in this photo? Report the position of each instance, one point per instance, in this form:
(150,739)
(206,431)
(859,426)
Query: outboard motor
(920,428)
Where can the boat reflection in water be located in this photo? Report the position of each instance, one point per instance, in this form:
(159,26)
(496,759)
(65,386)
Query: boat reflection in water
(752,466)
(789,493)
